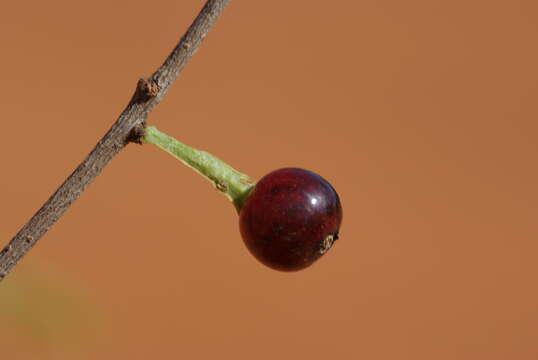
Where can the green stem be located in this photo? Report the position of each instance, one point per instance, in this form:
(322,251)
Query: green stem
(226,179)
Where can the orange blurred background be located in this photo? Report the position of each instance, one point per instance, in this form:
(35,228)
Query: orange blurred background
(422,114)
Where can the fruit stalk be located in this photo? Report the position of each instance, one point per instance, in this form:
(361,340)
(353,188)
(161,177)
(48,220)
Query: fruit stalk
(234,184)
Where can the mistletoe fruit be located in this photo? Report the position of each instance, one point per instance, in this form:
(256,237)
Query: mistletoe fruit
(288,219)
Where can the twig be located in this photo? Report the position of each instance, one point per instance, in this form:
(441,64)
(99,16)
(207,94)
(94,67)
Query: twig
(128,128)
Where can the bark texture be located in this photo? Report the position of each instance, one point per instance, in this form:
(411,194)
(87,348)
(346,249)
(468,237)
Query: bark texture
(128,128)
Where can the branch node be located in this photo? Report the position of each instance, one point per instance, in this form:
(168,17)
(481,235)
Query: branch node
(137,133)
(146,90)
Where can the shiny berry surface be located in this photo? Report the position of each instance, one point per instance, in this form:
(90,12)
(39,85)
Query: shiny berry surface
(290,219)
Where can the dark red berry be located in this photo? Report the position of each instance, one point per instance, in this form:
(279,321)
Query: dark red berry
(290,219)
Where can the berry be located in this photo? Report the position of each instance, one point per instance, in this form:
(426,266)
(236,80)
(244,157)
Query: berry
(290,219)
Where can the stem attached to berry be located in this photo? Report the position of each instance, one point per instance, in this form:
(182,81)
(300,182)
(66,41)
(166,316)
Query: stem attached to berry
(235,185)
